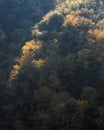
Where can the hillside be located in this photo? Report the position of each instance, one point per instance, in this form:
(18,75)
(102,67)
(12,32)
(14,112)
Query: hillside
(52,65)
(16,20)
(17,16)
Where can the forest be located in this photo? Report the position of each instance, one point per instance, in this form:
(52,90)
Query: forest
(51,64)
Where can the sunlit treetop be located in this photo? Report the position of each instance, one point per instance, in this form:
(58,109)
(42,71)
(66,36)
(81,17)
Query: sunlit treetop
(100,24)
(77,20)
(97,33)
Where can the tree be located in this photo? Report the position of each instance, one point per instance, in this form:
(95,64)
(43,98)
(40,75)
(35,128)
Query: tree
(90,94)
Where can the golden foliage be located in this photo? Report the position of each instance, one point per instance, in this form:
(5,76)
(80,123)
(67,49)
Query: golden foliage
(29,50)
(28,53)
(97,33)
(77,20)
(14,72)
(71,19)
(35,31)
(100,23)
(66,5)
(31,46)
(38,63)
(47,16)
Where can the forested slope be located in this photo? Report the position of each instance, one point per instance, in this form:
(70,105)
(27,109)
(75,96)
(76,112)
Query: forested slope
(16,20)
(56,80)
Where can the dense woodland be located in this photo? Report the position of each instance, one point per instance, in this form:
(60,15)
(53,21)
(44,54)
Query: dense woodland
(51,64)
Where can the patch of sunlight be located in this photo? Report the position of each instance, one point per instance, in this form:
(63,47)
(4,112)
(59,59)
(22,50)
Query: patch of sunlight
(98,33)
(77,20)
(38,63)
(14,73)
